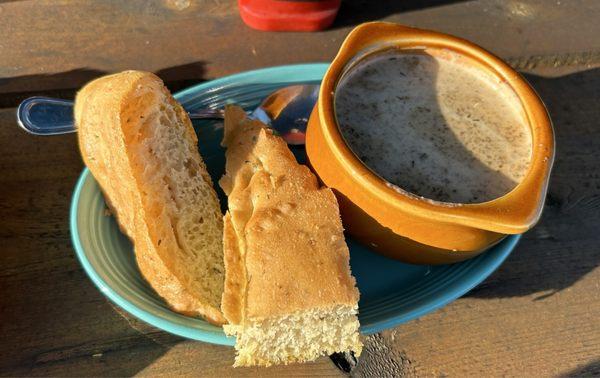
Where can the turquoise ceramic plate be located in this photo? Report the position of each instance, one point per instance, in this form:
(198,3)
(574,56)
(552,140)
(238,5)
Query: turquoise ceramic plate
(391,292)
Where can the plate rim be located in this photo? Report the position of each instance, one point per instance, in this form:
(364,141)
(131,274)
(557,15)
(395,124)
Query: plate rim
(459,287)
(213,337)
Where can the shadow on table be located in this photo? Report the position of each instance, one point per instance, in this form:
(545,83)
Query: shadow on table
(590,370)
(565,245)
(183,76)
(65,84)
(354,12)
(13,90)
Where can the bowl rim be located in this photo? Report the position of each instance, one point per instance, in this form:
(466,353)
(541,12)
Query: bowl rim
(514,212)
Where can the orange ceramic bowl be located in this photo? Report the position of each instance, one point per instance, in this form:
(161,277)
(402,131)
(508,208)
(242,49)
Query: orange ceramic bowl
(407,227)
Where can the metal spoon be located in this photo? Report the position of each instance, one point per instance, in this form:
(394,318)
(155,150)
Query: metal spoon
(286,111)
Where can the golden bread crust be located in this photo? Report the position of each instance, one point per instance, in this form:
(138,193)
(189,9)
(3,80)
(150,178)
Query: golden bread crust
(283,233)
(109,113)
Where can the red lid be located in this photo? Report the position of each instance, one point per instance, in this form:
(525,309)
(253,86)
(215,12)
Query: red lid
(288,15)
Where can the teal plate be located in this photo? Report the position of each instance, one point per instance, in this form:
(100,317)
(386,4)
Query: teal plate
(391,292)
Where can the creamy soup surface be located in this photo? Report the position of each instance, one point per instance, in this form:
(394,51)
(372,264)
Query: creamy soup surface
(431,123)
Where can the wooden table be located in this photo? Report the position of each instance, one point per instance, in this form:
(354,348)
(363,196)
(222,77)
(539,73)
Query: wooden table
(538,315)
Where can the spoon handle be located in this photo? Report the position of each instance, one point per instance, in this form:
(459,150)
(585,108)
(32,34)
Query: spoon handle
(46,116)
(53,116)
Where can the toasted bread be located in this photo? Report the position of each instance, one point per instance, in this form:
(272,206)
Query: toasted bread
(289,294)
(139,144)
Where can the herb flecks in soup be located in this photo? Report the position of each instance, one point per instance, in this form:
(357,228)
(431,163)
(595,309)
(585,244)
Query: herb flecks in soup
(434,124)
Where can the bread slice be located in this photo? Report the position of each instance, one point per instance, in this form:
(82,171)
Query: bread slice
(289,295)
(139,144)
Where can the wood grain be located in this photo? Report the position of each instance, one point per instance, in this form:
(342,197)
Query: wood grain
(54,44)
(536,316)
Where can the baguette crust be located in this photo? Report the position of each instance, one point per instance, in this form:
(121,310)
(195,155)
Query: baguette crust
(235,277)
(109,114)
(284,247)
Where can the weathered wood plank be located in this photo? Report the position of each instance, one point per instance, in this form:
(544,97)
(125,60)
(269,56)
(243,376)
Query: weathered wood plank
(62,44)
(538,315)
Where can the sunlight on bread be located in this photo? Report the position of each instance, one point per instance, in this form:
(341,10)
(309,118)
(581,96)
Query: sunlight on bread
(289,295)
(140,145)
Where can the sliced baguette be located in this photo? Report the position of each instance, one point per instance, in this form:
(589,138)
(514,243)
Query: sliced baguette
(139,144)
(289,294)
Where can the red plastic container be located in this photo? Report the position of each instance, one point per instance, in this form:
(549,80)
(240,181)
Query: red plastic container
(289,15)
